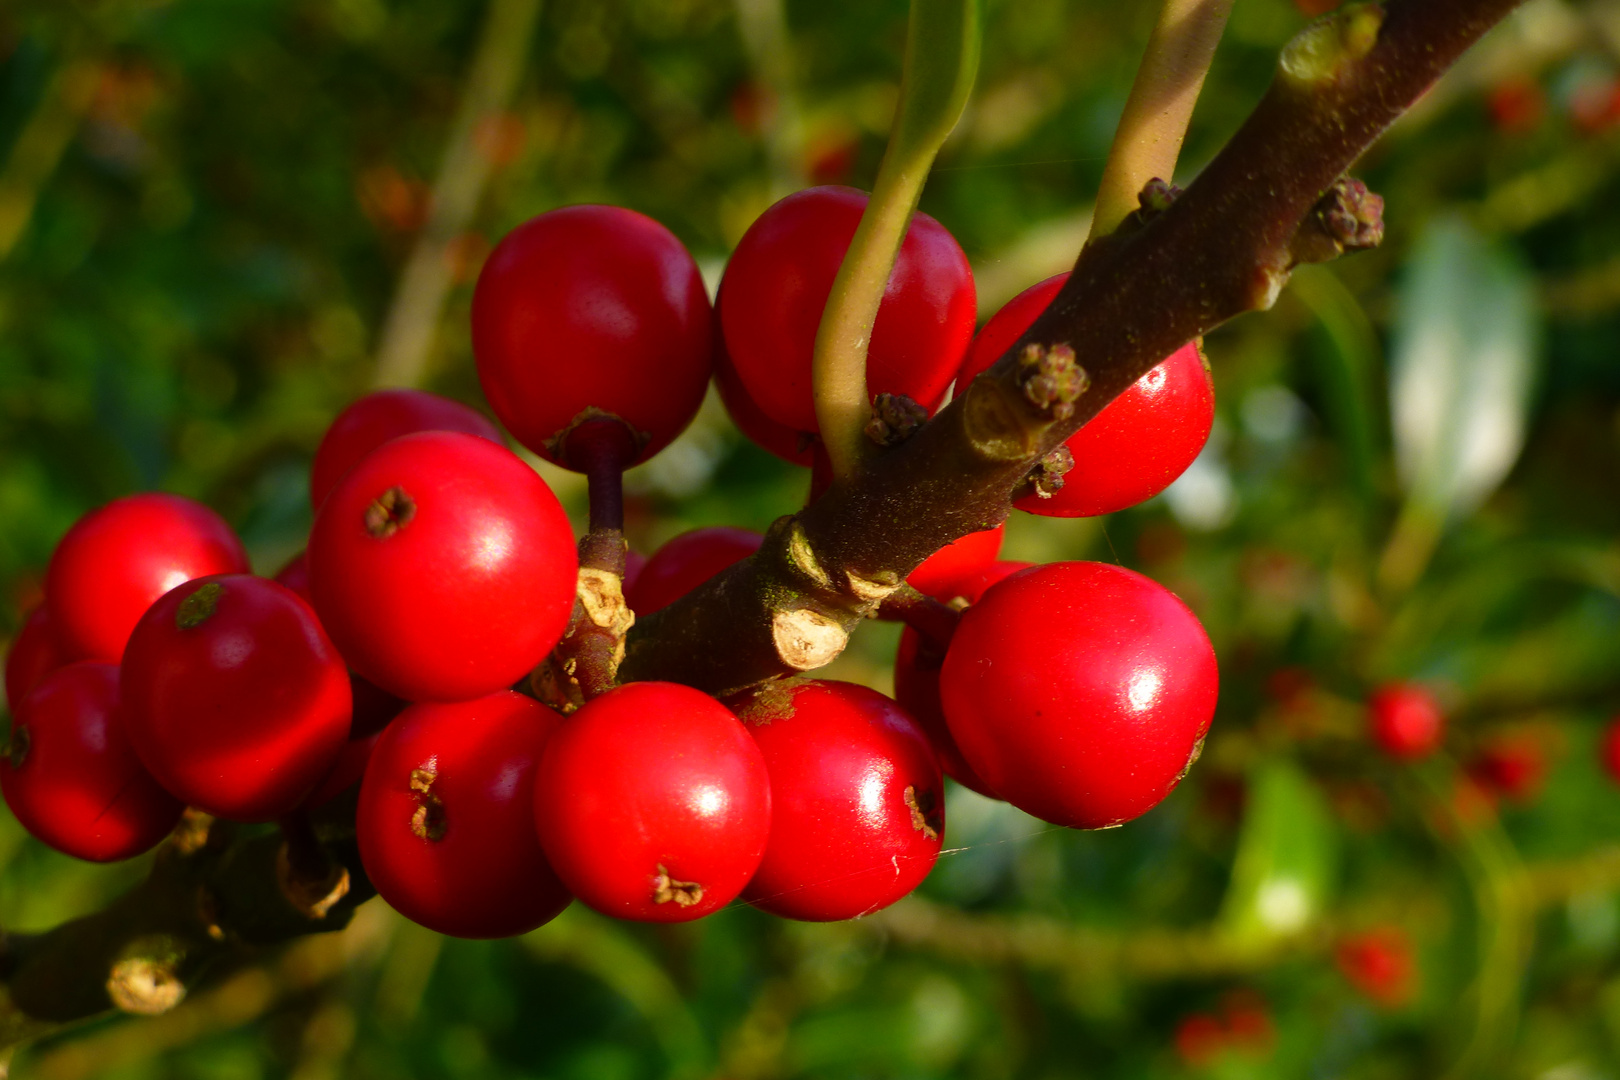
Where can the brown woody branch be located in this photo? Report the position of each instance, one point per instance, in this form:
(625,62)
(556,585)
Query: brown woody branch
(1272,198)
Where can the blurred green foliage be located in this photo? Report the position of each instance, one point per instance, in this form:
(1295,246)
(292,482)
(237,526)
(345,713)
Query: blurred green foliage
(205,206)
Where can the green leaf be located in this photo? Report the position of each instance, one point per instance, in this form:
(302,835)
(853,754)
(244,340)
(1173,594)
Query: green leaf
(1286,859)
(1462,362)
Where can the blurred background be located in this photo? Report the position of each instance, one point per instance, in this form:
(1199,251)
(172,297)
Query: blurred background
(221,220)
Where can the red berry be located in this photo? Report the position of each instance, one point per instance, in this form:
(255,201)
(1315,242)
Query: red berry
(1513,766)
(686,562)
(380,416)
(234,698)
(446,817)
(117,560)
(940,572)
(1137,445)
(653,803)
(33,655)
(1079,691)
(1611,749)
(777,283)
(1379,963)
(70,775)
(443,567)
(1199,1039)
(1405,721)
(346,771)
(592,308)
(781,440)
(916,680)
(295,576)
(634,563)
(857,802)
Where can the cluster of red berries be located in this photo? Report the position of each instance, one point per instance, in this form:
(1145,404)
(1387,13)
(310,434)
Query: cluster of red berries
(441,571)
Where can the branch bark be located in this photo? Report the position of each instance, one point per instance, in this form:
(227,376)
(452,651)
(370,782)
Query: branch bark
(1223,247)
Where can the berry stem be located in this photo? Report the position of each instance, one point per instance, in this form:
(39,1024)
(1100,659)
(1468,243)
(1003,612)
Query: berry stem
(590,651)
(942,58)
(1148,139)
(935,621)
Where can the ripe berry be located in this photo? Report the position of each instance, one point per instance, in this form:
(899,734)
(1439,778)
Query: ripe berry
(778,439)
(1513,766)
(446,817)
(374,707)
(592,308)
(1079,691)
(443,567)
(939,573)
(857,802)
(118,559)
(33,655)
(777,283)
(346,771)
(380,416)
(70,775)
(1137,445)
(1405,720)
(916,680)
(1379,963)
(686,562)
(653,803)
(234,698)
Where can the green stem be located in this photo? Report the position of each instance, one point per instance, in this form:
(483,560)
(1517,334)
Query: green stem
(942,57)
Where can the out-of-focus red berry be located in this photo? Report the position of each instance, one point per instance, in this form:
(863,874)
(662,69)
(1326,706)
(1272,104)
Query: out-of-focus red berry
(1610,749)
(1199,1039)
(1405,721)
(1513,766)
(33,655)
(1516,104)
(1380,964)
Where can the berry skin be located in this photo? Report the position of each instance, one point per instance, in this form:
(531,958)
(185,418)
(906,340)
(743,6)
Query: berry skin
(1079,691)
(70,775)
(779,439)
(938,574)
(1137,445)
(1405,721)
(777,283)
(32,656)
(346,771)
(857,801)
(443,567)
(592,308)
(234,698)
(446,817)
(686,562)
(116,560)
(378,417)
(653,803)
(916,680)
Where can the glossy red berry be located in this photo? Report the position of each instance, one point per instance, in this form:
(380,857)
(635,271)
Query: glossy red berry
(446,817)
(1079,691)
(234,698)
(776,287)
(779,439)
(857,801)
(940,572)
(383,415)
(653,803)
(1137,445)
(33,655)
(1405,721)
(592,308)
(70,775)
(916,680)
(443,567)
(686,562)
(1379,963)
(118,559)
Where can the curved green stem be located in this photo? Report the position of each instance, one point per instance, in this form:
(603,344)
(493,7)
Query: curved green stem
(942,57)
(1154,123)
